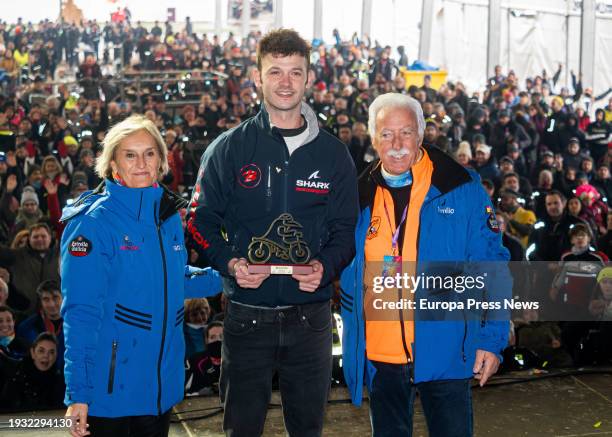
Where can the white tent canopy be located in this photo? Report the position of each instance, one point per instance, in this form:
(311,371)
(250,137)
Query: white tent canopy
(535,34)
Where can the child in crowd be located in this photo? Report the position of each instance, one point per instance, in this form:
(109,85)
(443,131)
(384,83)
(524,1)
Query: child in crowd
(34,383)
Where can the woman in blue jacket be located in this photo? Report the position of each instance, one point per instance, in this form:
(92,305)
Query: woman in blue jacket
(124,280)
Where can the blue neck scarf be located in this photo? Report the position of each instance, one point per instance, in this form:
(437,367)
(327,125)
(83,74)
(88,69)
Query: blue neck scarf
(396,181)
(5,341)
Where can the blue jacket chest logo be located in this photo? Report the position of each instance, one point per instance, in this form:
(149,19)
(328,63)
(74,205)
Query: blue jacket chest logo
(128,245)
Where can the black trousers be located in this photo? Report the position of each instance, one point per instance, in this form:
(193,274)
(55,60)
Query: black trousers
(258,342)
(130,426)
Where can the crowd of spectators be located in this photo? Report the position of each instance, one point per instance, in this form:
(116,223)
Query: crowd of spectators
(542,151)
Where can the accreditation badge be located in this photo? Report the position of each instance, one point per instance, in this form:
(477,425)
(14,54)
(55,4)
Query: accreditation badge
(392,265)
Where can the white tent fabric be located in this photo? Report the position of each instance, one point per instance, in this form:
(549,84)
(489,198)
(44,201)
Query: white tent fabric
(603,54)
(459,42)
(534,33)
(533,43)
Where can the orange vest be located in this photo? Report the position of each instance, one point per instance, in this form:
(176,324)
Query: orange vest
(384,329)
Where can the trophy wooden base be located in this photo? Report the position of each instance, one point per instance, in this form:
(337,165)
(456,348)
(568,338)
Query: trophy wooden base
(281,269)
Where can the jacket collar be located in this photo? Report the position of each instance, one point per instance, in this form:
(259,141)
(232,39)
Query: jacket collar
(37,253)
(447,175)
(263,121)
(141,204)
(158,202)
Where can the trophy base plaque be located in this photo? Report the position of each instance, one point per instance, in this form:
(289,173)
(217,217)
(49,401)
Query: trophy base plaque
(281,269)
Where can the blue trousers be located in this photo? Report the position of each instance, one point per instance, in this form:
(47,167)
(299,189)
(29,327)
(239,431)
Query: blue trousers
(447,404)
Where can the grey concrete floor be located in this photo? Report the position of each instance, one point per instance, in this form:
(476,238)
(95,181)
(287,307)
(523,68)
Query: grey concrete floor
(569,406)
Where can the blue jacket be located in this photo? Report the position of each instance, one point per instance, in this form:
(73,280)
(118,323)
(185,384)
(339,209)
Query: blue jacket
(454,226)
(194,340)
(124,280)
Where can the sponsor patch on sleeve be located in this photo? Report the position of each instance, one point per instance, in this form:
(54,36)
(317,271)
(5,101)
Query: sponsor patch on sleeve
(492,220)
(80,246)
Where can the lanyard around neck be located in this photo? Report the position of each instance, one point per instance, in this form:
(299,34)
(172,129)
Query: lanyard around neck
(397,230)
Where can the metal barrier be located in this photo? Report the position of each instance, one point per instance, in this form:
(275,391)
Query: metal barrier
(118,88)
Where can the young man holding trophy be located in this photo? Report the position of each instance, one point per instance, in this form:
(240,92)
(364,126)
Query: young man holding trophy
(274,210)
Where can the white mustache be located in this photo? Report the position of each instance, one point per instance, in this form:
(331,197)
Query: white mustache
(398,153)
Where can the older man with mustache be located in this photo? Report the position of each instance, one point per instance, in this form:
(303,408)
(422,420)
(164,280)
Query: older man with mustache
(417,205)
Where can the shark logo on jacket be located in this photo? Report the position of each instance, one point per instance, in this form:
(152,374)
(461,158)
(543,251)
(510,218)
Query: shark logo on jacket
(311,185)
(80,246)
(249,176)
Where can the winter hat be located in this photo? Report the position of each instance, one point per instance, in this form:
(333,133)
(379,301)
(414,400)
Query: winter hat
(484,148)
(84,153)
(548,153)
(479,138)
(79,179)
(605,273)
(69,140)
(559,100)
(29,195)
(587,193)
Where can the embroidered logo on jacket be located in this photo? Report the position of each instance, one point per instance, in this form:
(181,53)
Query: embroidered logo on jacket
(373,229)
(127,244)
(313,184)
(491,220)
(80,246)
(446,210)
(315,175)
(249,176)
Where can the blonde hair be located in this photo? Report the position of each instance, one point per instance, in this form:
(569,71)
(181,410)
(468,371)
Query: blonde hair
(544,173)
(121,131)
(192,305)
(50,158)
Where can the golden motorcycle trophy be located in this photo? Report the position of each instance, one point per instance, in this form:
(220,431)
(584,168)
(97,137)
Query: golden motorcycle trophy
(289,247)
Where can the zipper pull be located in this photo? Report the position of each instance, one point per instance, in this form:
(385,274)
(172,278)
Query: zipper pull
(269,190)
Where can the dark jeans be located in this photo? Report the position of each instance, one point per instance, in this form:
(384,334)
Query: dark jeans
(447,404)
(257,342)
(130,426)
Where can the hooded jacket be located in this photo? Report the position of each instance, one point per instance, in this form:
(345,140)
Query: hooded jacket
(455,225)
(124,280)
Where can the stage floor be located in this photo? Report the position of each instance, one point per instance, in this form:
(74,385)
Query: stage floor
(568,406)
